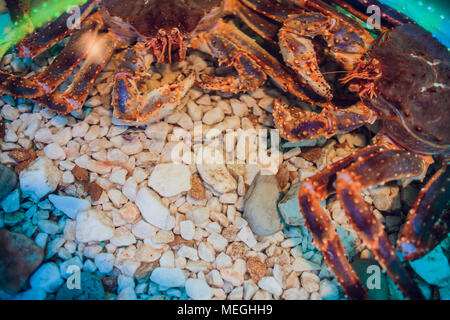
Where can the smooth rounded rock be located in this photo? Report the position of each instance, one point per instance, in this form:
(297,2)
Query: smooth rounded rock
(260,209)
(198,289)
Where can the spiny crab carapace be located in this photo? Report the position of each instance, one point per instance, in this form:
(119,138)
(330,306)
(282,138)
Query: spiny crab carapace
(403,81)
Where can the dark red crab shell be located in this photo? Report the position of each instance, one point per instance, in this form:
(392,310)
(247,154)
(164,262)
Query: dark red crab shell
(413,92)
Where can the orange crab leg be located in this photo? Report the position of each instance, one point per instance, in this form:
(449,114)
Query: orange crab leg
(294,124)
(62,66)
(39,41)
(250,75)
(376,169)
(312,191)
(75,96)
(271,9)
(428,221)
(281,75)
(257,22)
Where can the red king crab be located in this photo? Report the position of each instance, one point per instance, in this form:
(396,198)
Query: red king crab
(402,80)
(166,29)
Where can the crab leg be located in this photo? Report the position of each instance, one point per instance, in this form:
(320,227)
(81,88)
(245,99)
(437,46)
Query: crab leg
(376,169)
(297,48)
(131,107)
(271,66)
(257,22)
(295,124)
(63,65)
(429,219)
(75,96)
(312,191)
(250,75)
(55,31)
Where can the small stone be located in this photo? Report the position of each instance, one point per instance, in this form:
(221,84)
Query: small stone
(199,216)
(39,179)
(93,225)
(270,284)
(54,151)
(170,179)
(143,230)
(246,235)
(94,190)
(19,257)
(130,213)
(122,237)
(328,290)
(48,226)
(118,176)
(80,174)
(260,209)
(197,190)
(188,252)
(213,116)
(218,242)
(240,109)
(295,294)
(8,181)
(256,268)
(198,289)
(80,129)
(210,165)
(168,277)
(47,278)
(69,205)
(187,229)
(147,253)
(310,282)
(153,211)
(9,113)
(104,262)
(12,202)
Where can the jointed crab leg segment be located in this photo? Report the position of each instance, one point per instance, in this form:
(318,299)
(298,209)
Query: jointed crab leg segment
(428,221)
(47,80)
(75,96)
(325,236)
(295,124)
(48,36)
(259,23)
(384,166)
(271,66)
(250,75)
(272,9)
(345,45)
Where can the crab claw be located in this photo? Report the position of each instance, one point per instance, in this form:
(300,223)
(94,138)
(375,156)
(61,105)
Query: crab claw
(345,45)
(135,109)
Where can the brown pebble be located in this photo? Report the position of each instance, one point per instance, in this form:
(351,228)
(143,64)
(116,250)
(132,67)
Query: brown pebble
(311,154)
(22,165)
(80,174)
(256,268)
(21,154)
(283,177)
(94,190)
(237,250)
(230,233)
(197,188)
(109,283)
(179,241)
